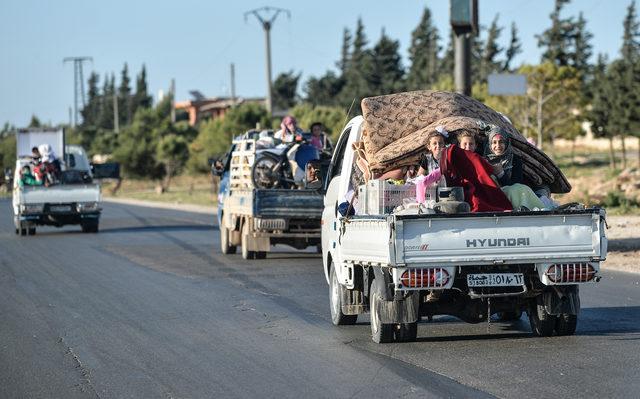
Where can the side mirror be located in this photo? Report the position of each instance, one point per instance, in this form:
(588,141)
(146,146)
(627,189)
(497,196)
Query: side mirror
(109,170)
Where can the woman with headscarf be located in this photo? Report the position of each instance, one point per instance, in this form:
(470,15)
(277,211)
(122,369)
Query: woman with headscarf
(288,130)
(508,170)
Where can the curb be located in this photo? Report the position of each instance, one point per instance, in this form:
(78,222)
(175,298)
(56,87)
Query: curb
(209,210)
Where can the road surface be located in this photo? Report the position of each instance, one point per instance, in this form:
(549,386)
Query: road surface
(149,307)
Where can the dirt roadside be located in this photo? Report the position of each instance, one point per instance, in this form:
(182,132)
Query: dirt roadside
(624,244)
(623,233)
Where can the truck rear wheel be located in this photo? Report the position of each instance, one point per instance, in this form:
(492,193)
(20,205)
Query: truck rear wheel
(225,248)
(566,324)
(335,301)
(246,254)
(261,255)
(407,332)
(380,333)
(31,231)
(542,323)
(23,231)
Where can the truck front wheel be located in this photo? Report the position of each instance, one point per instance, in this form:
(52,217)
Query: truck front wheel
(89,227)
(246,254)
(335,301)
(380,333)
(225,248)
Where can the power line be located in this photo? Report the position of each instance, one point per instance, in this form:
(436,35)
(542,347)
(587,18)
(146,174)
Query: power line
(78,85)
(267,16)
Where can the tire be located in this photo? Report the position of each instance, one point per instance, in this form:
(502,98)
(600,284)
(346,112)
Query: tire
(225,248)
(31,231)
(407,332)
(566,324)
(510,316)
(261,255)
(262,172)
(380,333)
(541,327)
(89,227)
(335,302)
(23,231)
(246,254)
(17,231)
(319,248)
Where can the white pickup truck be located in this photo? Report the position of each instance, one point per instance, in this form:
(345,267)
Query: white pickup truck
(480,263)
(75,200)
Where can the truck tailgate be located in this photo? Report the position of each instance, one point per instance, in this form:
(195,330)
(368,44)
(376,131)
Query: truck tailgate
(62,194)
(510,238)
(288,203)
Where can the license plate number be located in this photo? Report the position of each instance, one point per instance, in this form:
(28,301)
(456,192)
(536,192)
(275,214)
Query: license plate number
(60,208)
(495,280)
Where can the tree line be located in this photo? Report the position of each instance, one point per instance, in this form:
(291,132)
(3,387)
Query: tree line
(564,90)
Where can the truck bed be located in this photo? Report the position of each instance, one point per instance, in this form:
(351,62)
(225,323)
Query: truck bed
(275,203)
(475,238)
(58,194)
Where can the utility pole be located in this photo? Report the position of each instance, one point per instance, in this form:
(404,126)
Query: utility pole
(233,84)
(173,101)
(464,22)
(116,117)
(267,16)
(78,85)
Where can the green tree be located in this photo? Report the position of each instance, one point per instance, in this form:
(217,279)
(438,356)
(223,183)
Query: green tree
(601,106)
(91,110)
(423,54)
(515,48)
(582,48)
(386,74)
(358,68)
(343,64)
(491,50)
(557,40)
(551,108)
(324,90)
(172,153)
(7,147)
(124,97)
(284,90)
(141,98)
(35,122)
(105,119)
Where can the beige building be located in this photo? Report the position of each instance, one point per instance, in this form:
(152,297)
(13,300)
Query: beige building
(211,108)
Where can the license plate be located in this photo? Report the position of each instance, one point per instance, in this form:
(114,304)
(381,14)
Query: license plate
(60,208)
(495,280)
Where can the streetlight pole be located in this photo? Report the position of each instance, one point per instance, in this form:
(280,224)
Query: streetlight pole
(267,16)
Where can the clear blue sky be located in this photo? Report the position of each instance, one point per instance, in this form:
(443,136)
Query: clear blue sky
(194,41)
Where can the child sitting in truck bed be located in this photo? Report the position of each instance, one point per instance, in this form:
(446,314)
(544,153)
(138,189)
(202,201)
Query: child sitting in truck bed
(28,179)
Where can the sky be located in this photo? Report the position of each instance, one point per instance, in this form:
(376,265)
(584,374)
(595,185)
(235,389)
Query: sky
(195,41)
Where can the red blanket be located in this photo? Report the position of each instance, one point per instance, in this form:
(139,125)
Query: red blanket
(472,172)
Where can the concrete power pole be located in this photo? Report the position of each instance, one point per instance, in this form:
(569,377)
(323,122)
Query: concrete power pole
(267,16)
(233,84)
(78,85)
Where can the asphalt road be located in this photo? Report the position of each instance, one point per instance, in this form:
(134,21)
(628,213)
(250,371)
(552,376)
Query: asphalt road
(149,308)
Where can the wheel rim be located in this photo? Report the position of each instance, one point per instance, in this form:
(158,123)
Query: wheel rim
(335,294)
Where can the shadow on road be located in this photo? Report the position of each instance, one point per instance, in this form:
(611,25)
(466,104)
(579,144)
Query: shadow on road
(624,244)
(158,228)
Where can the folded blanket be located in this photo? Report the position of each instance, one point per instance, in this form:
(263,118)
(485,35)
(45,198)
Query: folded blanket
(396,128)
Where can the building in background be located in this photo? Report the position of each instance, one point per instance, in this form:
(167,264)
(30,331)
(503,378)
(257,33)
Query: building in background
(202,108)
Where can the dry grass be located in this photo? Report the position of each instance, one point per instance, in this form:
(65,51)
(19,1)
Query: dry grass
(197,190)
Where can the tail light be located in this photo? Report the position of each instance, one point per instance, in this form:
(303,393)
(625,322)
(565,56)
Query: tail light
(571,273)
(435,277)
